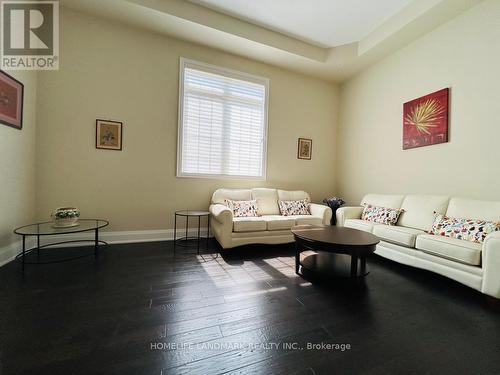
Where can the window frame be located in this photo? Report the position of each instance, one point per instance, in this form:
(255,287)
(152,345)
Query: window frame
(188,63)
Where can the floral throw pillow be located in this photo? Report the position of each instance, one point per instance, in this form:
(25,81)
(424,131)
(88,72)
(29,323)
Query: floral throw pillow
(463,229)
(300,207)
(242,208)
(383,215)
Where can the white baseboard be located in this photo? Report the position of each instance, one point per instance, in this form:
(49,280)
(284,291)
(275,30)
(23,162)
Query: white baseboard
(9,253)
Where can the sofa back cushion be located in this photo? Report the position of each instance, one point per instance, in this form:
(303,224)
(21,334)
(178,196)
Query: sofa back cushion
(220,195)
(473,209)
(292,195)
(267,201)
(419,210)
(383,200)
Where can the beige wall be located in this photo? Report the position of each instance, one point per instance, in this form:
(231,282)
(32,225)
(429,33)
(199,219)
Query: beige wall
(17,170)
(463,55)
(117,72)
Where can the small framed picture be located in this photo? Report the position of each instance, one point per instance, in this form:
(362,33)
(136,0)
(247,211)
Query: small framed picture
(304,149)
(11,101)
(108,135)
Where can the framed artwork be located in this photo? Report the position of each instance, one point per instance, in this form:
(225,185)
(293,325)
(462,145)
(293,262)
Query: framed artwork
(304,149)
(11,101)
(425,120)
(108,135)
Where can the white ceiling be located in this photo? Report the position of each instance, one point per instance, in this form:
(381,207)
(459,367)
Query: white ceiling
(372,30)
(326,23)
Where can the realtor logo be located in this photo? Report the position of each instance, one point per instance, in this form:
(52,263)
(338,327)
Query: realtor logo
(29,35)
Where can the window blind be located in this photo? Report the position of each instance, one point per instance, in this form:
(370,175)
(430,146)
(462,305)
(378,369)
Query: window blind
(223,122)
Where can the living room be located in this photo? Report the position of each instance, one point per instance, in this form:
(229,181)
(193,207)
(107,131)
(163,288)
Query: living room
(113,144)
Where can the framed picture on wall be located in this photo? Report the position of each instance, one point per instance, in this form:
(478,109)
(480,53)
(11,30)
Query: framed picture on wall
(11,101)
(108,135)
(425,120)
(304,150)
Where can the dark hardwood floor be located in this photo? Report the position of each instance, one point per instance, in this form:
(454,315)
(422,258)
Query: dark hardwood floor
(139,309)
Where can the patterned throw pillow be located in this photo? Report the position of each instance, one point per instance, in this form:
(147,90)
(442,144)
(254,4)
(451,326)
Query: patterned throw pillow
(463,229)
(300,207)
(383,215)
(242,208)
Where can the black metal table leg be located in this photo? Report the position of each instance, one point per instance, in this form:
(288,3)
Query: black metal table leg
(38,248)
(208,233)
(297,257)
(363,266)
(175,232)
(354,266)
(24,251)
(198,239)
(96,243)
(187,226)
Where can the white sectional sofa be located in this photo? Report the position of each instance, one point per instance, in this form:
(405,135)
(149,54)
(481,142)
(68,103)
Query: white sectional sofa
(269,227)
(475,265)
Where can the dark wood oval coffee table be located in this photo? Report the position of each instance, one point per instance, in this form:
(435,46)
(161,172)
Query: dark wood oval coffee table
(346,249)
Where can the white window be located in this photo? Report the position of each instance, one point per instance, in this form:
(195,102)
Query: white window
(222,122)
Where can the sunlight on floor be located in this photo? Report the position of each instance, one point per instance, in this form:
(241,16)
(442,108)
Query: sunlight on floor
(225,274)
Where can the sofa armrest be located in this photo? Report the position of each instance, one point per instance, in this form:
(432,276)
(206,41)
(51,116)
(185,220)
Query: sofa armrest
(322,211)
(222,224)
(221,213)
(344,213)
(491,265)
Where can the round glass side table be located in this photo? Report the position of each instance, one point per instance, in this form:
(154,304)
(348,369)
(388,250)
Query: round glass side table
(47,229)
(190,241)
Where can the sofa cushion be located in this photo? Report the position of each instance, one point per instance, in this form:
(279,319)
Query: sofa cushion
(278,222)
(474,209)
(220,195)
(295,195)
(307,219)
(419,210)
(450,248)
(463,229)
(367,226)
(383,200)
(249,224)
(290,208)
(267,201)
(397,234)
(382,215)
(242,208)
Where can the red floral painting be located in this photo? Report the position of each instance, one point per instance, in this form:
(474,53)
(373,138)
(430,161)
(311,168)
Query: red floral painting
(11,101)
(425,120)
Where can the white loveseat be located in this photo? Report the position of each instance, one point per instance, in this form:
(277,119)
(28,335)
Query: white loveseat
(269,227)
(475,265)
